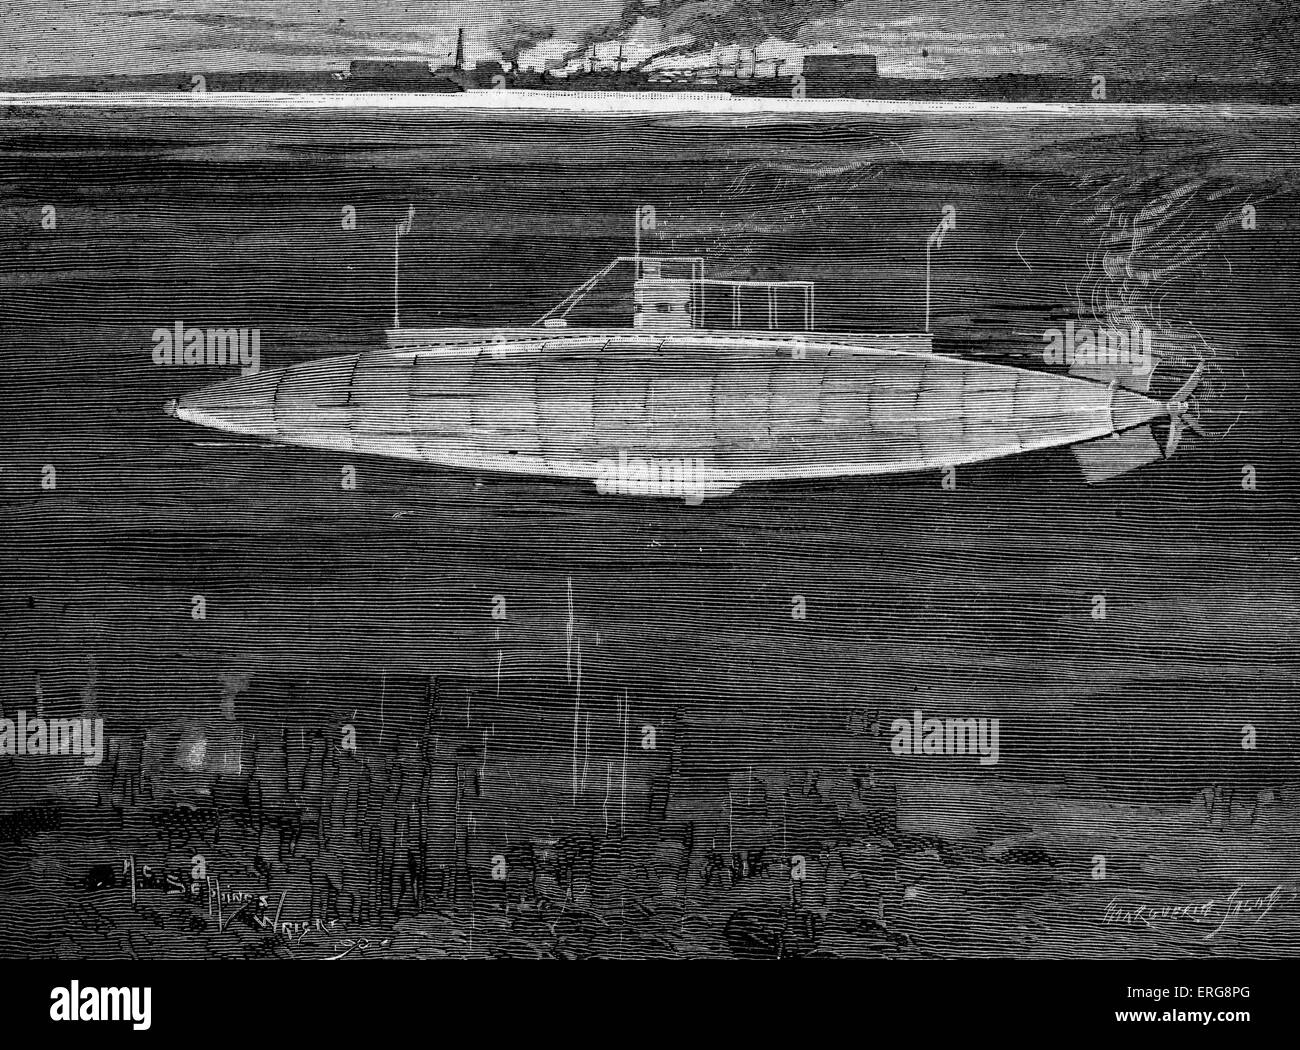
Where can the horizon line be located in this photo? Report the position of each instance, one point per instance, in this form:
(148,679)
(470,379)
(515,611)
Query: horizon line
(598,102)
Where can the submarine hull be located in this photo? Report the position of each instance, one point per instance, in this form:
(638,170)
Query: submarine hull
(733,407)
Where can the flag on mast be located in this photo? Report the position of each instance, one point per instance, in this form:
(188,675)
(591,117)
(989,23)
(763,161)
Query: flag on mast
(940,231)
(404,227)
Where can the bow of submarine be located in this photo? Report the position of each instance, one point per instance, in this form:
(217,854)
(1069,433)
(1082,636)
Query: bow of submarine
(244,405)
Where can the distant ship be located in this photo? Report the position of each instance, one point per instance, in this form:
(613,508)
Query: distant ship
(717,383)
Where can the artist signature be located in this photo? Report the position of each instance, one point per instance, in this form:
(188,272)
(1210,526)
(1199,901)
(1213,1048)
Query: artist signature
(359,945)
(1235,908)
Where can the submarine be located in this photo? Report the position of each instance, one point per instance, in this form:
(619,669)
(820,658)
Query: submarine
(715,384)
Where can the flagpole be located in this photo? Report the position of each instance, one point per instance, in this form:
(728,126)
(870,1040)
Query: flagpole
(397,235)
(935,241)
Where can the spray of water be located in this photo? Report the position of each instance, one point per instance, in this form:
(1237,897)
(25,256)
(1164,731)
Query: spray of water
(1149,233)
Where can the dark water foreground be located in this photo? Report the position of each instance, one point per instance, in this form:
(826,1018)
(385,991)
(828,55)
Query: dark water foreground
(373,607)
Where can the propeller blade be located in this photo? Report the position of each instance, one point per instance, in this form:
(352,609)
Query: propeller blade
(1185,391)
(1175,436)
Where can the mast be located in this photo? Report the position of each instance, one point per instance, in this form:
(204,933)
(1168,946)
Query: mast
(402,228)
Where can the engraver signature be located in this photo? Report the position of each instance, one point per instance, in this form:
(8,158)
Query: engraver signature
(1233,908)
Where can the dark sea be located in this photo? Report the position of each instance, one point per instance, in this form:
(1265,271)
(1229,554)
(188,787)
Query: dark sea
(324,604)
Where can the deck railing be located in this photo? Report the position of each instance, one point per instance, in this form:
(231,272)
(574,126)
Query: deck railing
(648,271)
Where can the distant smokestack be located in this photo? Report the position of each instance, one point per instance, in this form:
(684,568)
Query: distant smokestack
(460,48)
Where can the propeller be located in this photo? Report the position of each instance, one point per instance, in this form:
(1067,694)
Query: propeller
(1185,391)
(1183,412)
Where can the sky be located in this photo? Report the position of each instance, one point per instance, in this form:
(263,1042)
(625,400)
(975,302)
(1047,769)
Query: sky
(1253,39)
